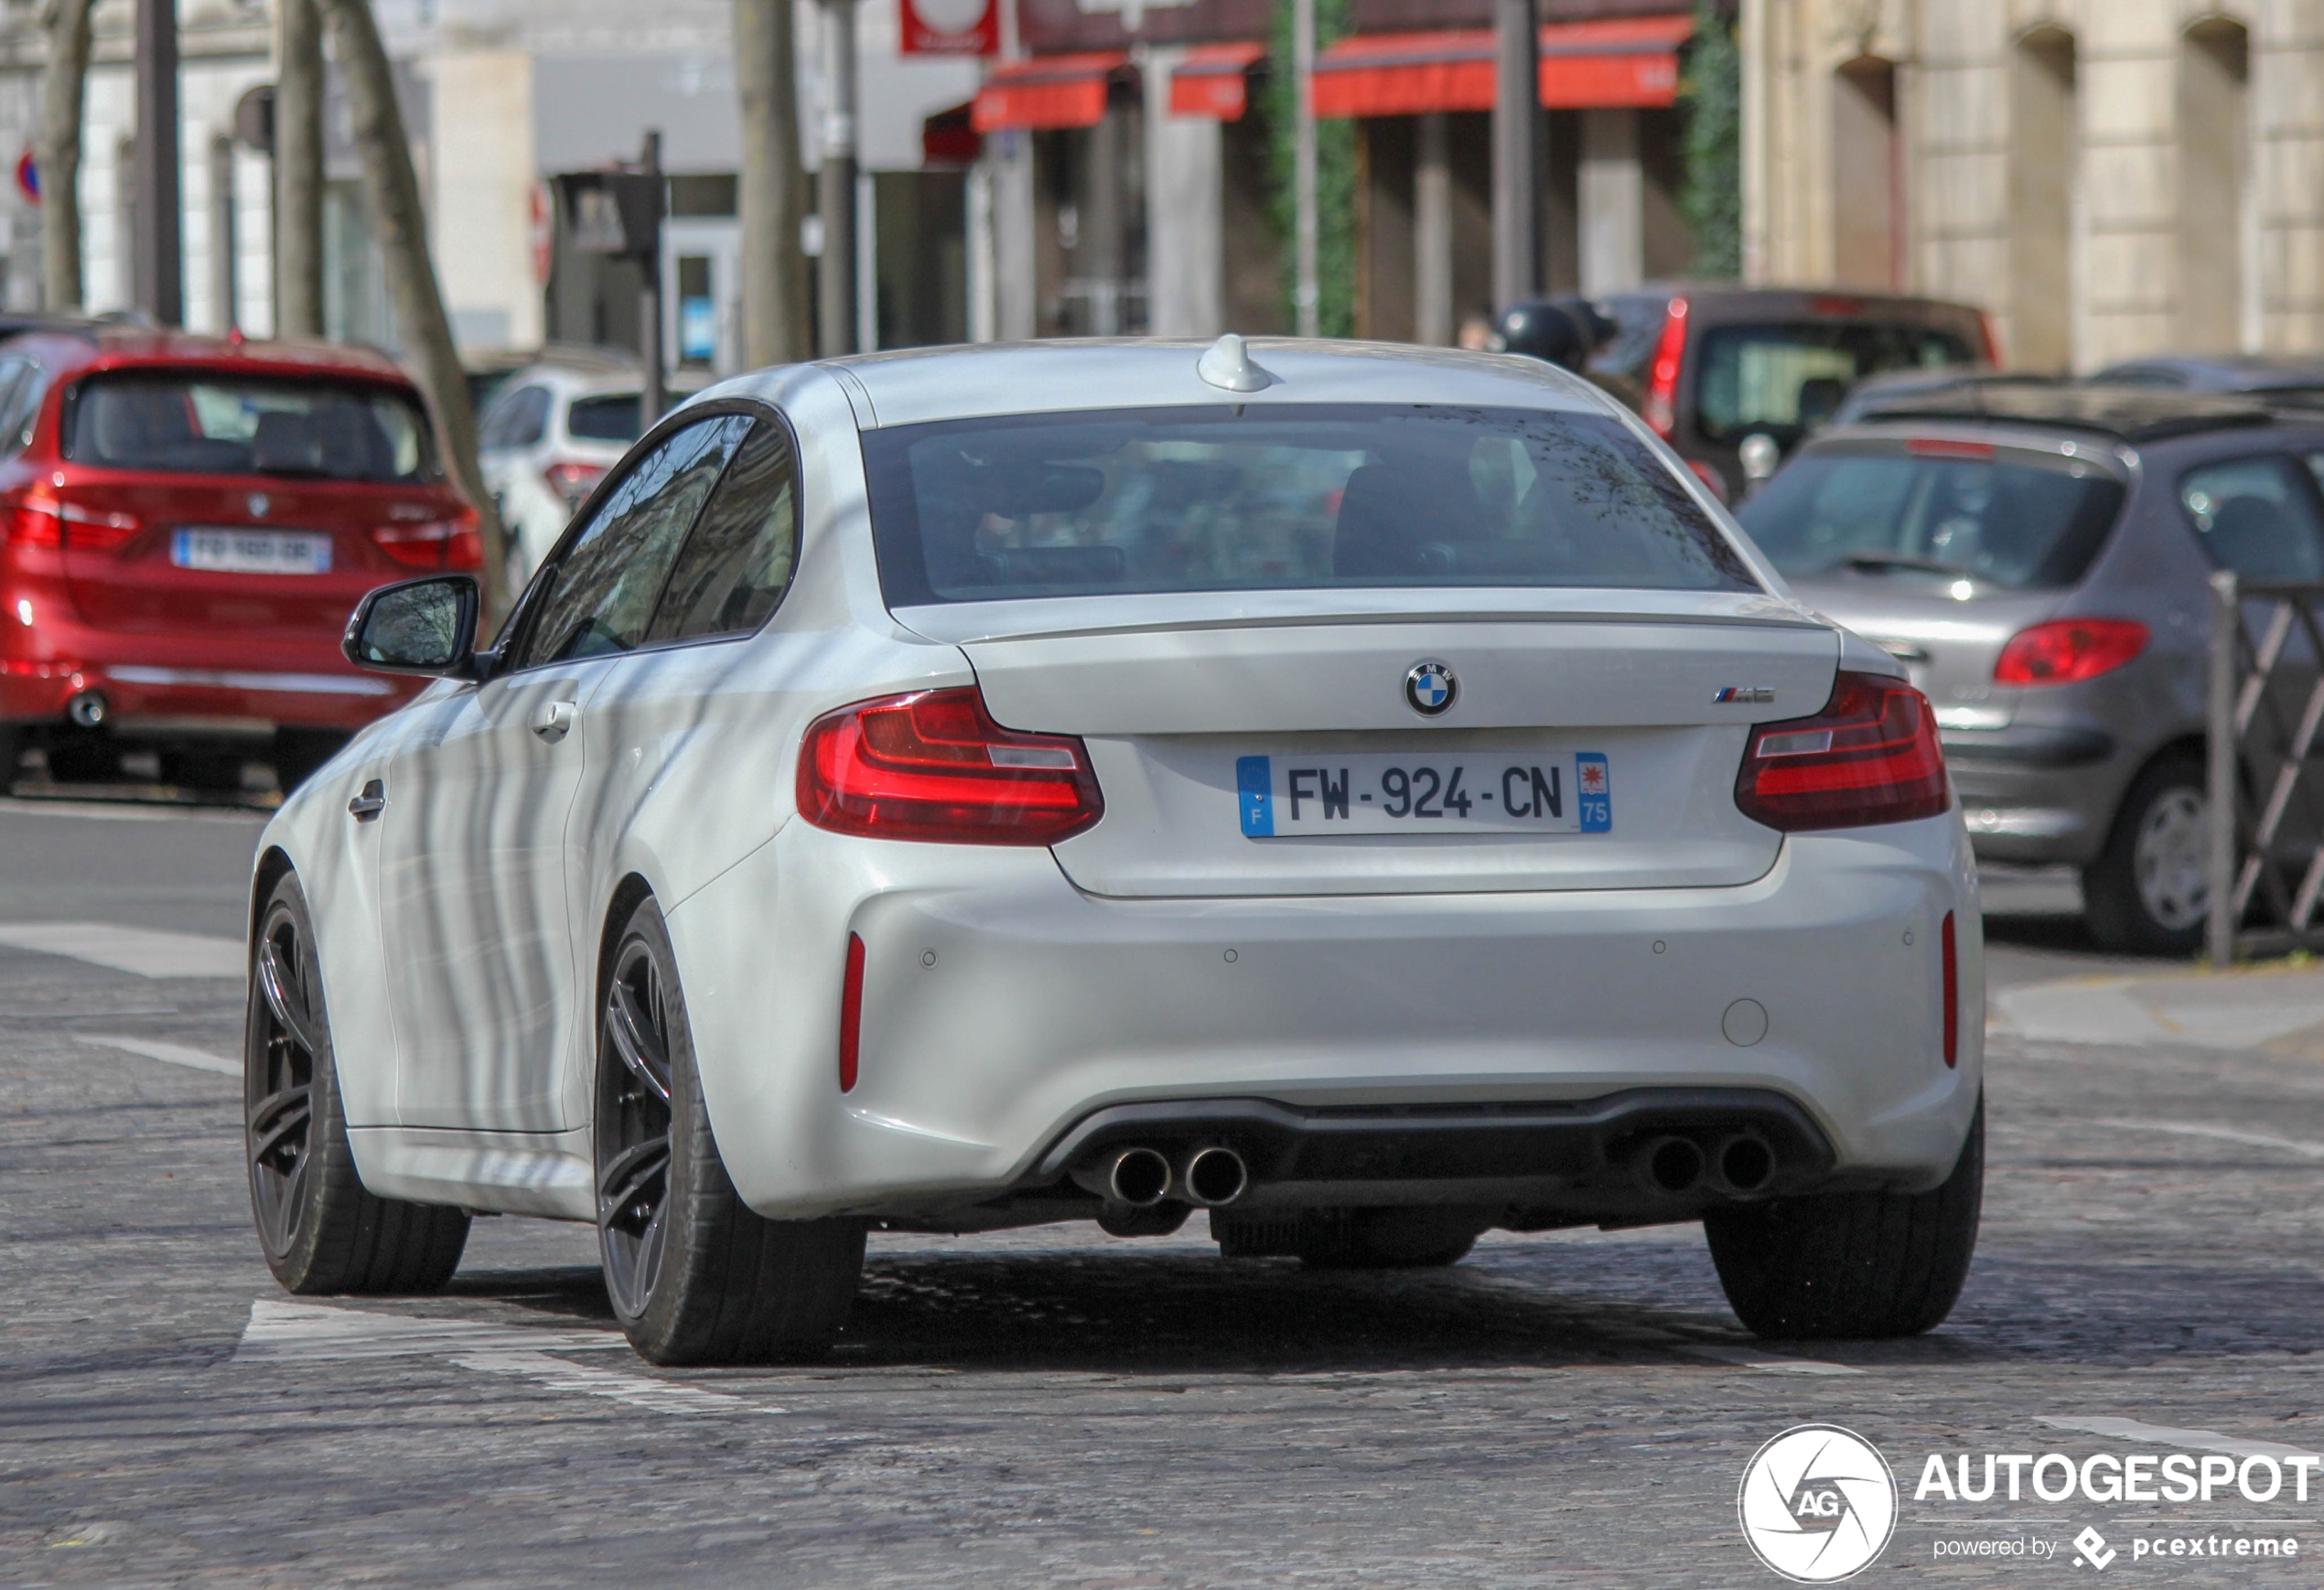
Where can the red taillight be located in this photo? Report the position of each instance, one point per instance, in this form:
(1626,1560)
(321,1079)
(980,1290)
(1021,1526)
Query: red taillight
(1661,407)
(1939,448)
(44,522)
(851,1012)
(1870,755)
(435,543)
(1986,327)
(572,482)
(36,521)
(933,765)
(1951,998)
(2069,650)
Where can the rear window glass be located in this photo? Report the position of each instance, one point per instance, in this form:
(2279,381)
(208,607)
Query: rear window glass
(1787,379)
(603,419)
(216,425)
(2257,516)
(1284,497)
(2014,520)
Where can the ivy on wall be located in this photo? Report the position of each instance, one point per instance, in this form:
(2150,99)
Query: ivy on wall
(1334,177)
(1712,93)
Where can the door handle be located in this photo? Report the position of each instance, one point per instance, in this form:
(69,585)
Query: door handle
(553,720)
(370,803)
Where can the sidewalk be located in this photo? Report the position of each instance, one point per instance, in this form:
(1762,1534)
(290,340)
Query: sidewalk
(2272,1006)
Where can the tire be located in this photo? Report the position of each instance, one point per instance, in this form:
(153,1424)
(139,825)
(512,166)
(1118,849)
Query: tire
(81,758)
(694,1276)
(320,1231)
(1391,1238)
(1866,1266)
(2149,891)
(12,745)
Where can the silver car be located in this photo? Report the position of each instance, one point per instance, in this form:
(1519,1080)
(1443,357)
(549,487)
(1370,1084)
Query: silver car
(2039,557)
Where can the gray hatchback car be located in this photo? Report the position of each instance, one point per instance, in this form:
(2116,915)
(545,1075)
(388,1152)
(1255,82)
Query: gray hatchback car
(2038,558)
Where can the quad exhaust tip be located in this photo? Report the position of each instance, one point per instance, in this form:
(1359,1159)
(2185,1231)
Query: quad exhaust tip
(1672,1164)
(89,709)
(1139,1178)
(1745,1163)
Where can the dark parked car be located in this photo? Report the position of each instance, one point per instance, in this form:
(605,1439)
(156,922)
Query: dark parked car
(2039,557)
(1714,364)
(2280,380)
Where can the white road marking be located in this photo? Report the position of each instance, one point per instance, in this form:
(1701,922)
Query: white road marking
(148,952)
(1752,1359)
(280,1332)
(168,1054)
(2223,1134)
(2200,1440)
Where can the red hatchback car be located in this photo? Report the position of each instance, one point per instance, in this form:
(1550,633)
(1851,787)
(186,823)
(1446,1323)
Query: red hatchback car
(185,524)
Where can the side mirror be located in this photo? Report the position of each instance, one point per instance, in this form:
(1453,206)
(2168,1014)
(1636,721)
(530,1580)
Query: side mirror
(426,626)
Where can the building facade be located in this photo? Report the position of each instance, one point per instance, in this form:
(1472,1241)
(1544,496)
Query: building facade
(2109,178)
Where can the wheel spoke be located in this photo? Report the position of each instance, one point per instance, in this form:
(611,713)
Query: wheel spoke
(633,1038)
(278,1117)
(633,1173)
(289,1010)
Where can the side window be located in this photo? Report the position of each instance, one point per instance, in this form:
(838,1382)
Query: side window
(2256,516)
(599,594)
(737,563)
(518,420)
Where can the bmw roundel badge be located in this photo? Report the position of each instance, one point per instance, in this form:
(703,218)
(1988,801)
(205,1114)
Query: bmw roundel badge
(1430,688)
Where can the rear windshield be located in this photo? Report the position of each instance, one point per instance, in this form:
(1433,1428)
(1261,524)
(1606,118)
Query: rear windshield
(2016,521)
(195,422)
(1284,497)
(1787,379)
(605,419)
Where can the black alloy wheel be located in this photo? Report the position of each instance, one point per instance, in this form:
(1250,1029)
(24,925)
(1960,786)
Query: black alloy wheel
(633,1129)
(694,1275)
(320,1229)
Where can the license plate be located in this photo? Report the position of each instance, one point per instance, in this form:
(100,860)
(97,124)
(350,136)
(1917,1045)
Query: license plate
(1556,793)
(251,551)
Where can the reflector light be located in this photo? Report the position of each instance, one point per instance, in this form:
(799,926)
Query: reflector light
(1661,407)
(1870,755)
(2069,650)
(1951,998)
(934,766)
(851,1014)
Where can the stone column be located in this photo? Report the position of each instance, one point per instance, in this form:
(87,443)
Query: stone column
(1184,244)
(1432,234)
(1613,199)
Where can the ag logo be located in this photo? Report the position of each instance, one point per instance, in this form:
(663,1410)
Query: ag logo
(1817,1504)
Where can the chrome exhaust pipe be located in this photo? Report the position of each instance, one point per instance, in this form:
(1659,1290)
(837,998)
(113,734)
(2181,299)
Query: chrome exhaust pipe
(1214,1176)
(1671,1165)
(1136,1178)
(89,709)
(1743,1163)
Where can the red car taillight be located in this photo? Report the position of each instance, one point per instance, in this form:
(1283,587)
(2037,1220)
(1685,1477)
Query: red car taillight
(573,482)
(436,544)
(933,765)
(1870,755)
(35,522)
(2069,650)
(1661,408)
(44,522)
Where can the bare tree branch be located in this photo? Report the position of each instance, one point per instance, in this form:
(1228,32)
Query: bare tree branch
(58,155)
(298,171)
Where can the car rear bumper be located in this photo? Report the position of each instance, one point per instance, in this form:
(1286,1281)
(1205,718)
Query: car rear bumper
(258,689)
(2043,800)
(1002,1008)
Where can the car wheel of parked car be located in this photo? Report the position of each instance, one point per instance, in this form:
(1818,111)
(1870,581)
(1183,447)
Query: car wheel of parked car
(320,1229)
(81,758)
(695,1276)
(2149,889)
(1391,1238)
(1860,1264)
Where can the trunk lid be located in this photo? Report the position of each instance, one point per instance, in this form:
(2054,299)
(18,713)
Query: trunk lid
(1555,696)
(1948,644)
(142,556)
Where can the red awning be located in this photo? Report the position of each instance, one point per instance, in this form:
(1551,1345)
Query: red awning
(1052,90)
(1620,62)
(1214,80)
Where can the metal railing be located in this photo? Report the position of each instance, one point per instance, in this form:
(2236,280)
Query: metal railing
(2265,791)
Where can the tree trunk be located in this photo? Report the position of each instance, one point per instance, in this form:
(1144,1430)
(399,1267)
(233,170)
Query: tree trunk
(774,269)
(57,155)
(392,195)
(298,171)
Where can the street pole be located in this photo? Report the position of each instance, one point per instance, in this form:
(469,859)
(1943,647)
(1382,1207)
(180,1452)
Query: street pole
(835,184)
(1309,294)
(1517,121)
(158,261)
(653,398)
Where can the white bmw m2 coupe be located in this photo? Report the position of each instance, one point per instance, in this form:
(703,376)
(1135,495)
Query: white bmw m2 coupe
(1369,794)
